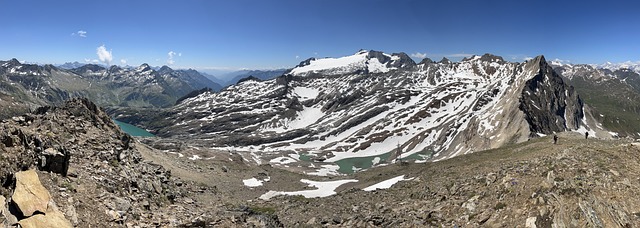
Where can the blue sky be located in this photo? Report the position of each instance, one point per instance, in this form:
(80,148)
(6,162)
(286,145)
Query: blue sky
(262,34)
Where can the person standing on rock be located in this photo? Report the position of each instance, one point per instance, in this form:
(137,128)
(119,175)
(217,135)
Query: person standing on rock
(586,135)
(555,139)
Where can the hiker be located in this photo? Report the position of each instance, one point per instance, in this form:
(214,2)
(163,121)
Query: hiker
(555,139)
(586,135)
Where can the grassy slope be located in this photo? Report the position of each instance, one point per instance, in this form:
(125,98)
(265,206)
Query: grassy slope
(616,104)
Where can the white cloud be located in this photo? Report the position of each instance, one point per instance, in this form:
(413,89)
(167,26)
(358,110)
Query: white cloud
(104,55)
(561,61)
(171,54)
(180,54)
(123,61)
(419,55)
(80,33)
(297,56)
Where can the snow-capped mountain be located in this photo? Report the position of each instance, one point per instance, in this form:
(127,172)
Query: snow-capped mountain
(634,66)
(363,61)
(70,65)
(373,103)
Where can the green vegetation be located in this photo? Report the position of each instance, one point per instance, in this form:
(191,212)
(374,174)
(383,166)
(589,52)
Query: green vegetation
(616,105)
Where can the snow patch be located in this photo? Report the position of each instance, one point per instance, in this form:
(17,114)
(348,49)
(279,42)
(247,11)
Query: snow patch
(253,182)
(282,160)
(326,170)
(386,184)
(306,92)
(323,189)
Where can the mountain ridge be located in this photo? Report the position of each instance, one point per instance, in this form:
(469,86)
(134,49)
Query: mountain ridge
(437,110)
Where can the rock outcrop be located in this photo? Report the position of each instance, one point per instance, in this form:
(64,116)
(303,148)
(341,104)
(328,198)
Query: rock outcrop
(548,103)
(30,196)
(31,205)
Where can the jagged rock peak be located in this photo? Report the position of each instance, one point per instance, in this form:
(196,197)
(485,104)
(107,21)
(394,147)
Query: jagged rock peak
(14,62)
(306,62)
(485,58)
(144,67)
(445,60)
(539,60)
(426,61)
(114,68)
(404,62)
(89,67)
(165,69)
(491,58)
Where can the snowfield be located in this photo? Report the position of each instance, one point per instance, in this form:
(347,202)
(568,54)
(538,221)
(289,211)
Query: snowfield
(323,189)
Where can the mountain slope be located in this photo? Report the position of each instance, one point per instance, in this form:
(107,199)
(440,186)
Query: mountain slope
(34,85)
(616,104)
(260,74)
(336,109)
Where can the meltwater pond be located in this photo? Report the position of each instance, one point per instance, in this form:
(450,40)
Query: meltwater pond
(351,165)
(133,130)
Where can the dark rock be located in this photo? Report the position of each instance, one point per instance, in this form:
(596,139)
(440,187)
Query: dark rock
(546,100)
(55,160)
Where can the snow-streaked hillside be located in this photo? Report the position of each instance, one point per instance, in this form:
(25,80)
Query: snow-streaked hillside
(362,61)
(437,110)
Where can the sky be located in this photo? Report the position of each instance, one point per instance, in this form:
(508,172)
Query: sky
(211,35)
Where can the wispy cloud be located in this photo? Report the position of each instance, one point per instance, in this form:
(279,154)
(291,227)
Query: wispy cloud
(123,61)
(419,55)
(171,54)
(104,55)
(80,33)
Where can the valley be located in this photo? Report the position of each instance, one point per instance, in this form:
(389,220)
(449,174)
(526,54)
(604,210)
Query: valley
(371,139)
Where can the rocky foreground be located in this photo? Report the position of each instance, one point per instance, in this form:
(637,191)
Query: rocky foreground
(577,183)
(93,174)
(97,176)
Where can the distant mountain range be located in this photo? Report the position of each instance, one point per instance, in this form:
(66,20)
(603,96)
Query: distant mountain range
(235,76)
(26,86)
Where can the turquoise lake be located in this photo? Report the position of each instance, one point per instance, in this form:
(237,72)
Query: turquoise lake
(133,130)
(347,165)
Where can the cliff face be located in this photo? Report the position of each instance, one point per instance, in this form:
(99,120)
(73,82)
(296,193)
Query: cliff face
(549,104)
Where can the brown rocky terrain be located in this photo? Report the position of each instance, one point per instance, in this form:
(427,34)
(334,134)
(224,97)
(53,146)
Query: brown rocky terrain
(577,183)
(98,176)
(95,174)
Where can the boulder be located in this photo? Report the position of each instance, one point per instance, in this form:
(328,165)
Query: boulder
(30,196)
(51,219)
(54,160)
